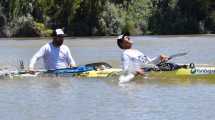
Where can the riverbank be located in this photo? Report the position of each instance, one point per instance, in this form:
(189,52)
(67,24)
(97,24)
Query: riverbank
(106,37)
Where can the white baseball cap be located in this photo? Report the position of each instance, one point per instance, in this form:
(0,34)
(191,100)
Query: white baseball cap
(120,36)
(59,32)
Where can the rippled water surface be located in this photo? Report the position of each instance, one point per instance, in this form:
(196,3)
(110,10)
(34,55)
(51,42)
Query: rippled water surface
(60,98)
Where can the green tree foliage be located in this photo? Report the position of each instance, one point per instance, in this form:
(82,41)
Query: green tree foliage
(2,17)
(110,21)
(55,13)
(121,17)
(106,17)
(180,16)
(86,19)
(192,14)
(19,8)
(210,19)
(163,17)
(137,15)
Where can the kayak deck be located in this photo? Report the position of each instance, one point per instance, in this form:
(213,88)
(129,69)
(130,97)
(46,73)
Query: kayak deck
(200,71)
(88,74)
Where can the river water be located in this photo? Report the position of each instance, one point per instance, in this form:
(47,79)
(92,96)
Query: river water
(60,98)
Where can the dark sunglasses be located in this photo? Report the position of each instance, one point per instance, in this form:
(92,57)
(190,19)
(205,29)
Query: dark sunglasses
(126,37)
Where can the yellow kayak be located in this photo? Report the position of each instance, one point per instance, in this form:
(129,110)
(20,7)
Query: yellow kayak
(199,71)
(100,73)
(107,71)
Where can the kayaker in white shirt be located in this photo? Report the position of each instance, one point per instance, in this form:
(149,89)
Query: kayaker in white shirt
(133,59)
(55,55)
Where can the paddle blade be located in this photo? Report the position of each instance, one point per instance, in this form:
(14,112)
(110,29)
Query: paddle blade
(177,55)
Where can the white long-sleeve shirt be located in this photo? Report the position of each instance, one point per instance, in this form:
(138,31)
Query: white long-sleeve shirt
(53,57)
(133,59)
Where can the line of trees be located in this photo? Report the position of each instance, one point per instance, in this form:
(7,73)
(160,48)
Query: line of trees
(23,18)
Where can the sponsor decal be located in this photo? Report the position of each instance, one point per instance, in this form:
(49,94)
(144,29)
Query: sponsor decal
(202,71)
(193,71)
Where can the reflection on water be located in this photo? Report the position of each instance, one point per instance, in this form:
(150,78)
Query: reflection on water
(56,98)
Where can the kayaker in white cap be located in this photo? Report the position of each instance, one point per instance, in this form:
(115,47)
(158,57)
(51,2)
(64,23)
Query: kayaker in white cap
(133,59)
(55,55)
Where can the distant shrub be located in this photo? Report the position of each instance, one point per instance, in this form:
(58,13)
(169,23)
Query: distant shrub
(40,27)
